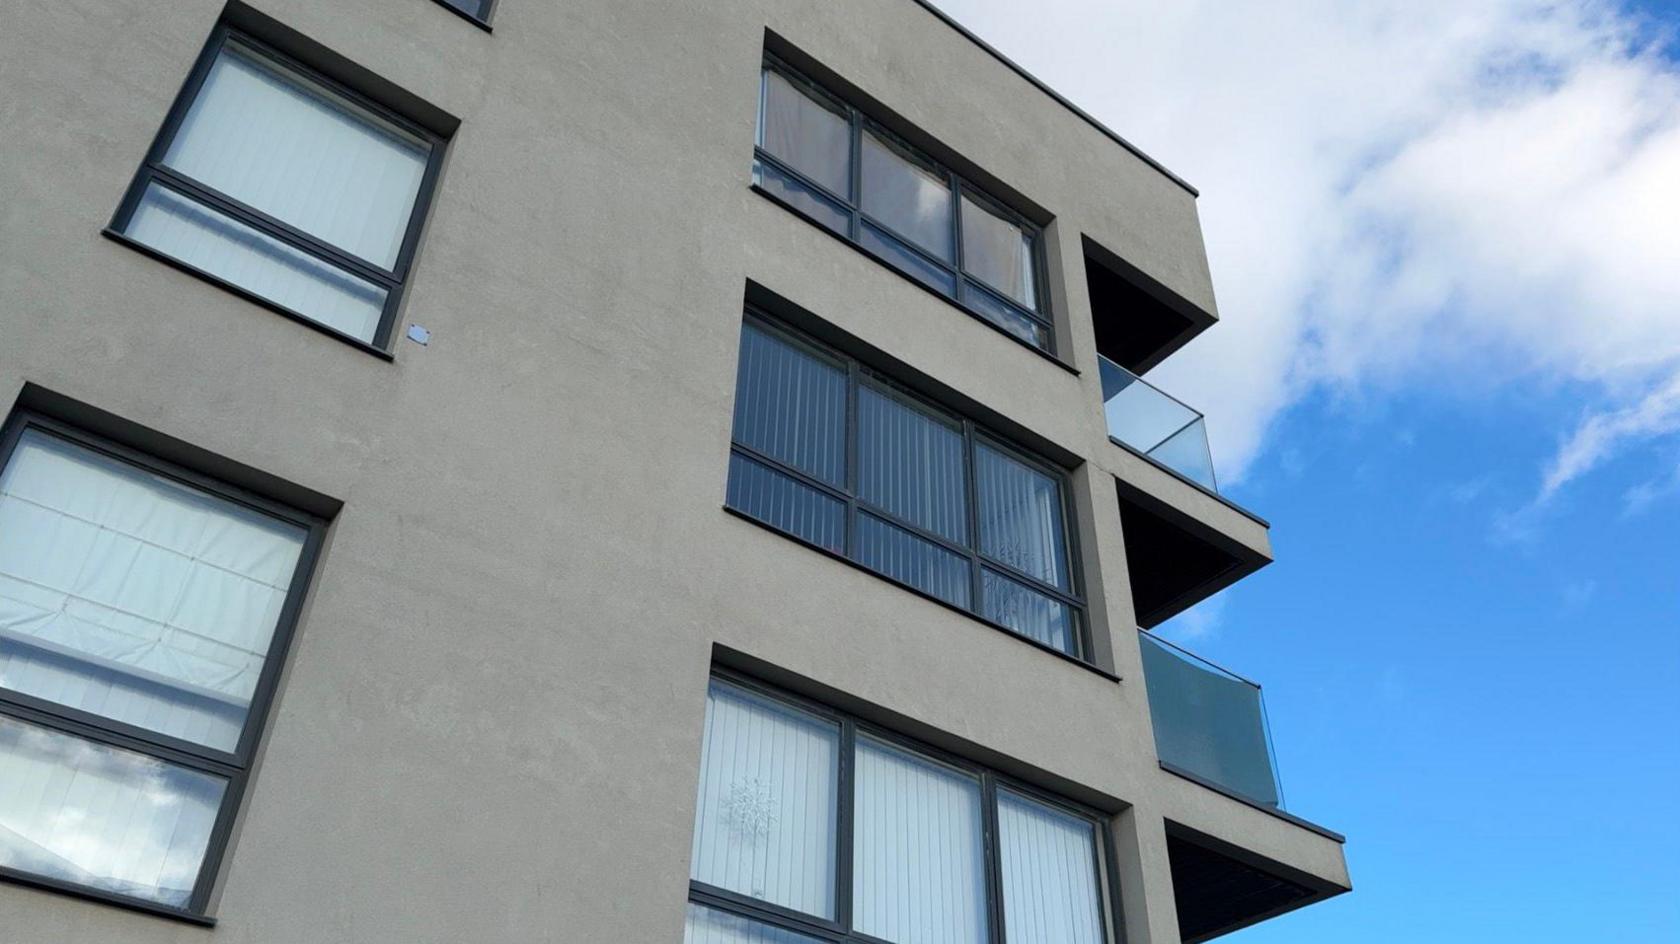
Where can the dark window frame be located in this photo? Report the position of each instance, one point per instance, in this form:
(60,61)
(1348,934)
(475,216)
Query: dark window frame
(1040,313)
(482,22)
(235,765)
(152,170)
(839,929)
(974,434)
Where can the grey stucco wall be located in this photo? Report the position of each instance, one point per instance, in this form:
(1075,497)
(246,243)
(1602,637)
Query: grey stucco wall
(489,728)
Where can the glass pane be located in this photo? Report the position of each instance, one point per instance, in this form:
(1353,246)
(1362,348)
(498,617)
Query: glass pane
(135,597)
(1186,452)
(911,464)
(910,263)
(764,823)
(1021,516)
(100,816)
(790,404)
(908,196)
(916,561)
(785,503)
(711,926)
(811,137)
(782,502)
(1051,889)
(1028,612)
(918,859)
(1209,722)
(801,197)
(302,154)
(999,251)
(206,239)
(1007,317)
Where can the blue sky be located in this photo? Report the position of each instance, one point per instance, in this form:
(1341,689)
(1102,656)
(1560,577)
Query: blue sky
(1445,239)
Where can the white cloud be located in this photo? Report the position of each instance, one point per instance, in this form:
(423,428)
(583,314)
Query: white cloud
(1400,192)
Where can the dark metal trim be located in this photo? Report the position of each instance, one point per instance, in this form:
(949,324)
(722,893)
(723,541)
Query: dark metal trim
(957,187)
(870,254)
(1028,640)
(235,767)
(1287,817)
(482,23)
(973,436)
(394,280)
(1038,83)
(989,782)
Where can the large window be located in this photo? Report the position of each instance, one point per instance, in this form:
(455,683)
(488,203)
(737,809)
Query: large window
(837,456)
(143,612)
(811,826)
(275,182)
(824,159)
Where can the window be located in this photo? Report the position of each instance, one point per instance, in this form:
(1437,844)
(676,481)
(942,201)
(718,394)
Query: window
(476,10)
(810,823)
(143,613)
(825,160)
(273,181)
(839,457)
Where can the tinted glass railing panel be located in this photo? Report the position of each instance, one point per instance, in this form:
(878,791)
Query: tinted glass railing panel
(1209,722)
(1155,424)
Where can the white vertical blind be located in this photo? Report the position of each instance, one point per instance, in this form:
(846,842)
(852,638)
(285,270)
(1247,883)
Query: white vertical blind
(711,926)
(918,856)
(206,239)
(790,404)
(302,154)
(1051,887)
(133,596)
(101,816)
(765,819)
(911,463)
(1021,516)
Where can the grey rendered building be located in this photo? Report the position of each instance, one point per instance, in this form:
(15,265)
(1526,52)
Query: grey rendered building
(644,471)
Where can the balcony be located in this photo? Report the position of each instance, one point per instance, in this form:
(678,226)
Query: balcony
(1148,421)
(1210,725)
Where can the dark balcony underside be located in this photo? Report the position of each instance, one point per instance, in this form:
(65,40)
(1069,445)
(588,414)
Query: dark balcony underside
(1173,560)
(1219,888)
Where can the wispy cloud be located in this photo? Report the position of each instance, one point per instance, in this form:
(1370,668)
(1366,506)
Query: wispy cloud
(1401,192)
(1200,622)
(1638,499)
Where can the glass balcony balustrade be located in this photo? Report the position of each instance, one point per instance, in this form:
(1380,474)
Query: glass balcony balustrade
(1210,723)
(1156,425)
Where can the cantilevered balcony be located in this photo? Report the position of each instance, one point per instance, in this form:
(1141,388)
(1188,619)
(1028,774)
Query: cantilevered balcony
(1210,724)
(1145,419)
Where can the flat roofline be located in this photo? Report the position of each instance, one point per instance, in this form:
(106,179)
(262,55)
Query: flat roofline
(1070,106)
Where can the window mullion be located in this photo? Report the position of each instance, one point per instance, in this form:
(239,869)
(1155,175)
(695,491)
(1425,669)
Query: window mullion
(845,825)
(994,857)
(971,472)
(853,473)
(257,219)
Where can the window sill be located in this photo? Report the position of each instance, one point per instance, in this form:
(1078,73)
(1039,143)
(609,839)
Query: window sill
(246,294)
(1051,650)
(1268,810)
(954,303)
(481,24)
(72,890)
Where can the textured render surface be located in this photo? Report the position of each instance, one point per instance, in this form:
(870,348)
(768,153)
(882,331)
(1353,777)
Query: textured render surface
(489,729)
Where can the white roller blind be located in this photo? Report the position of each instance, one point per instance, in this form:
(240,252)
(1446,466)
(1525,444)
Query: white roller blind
(1050,881)
(764,822)
(302,154)
(918,863)
(133,596)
